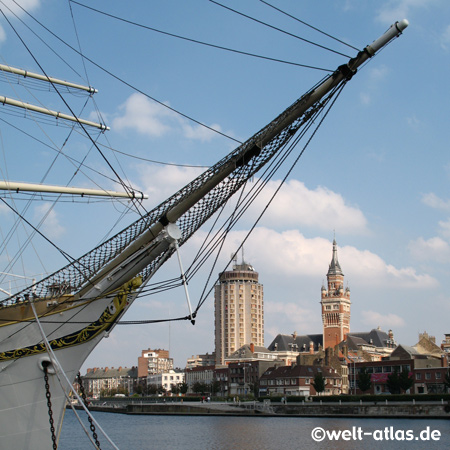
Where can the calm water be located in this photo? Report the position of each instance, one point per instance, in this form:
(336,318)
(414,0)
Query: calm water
(250,433)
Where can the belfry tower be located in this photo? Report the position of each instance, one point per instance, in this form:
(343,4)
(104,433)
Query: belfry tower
(335,305)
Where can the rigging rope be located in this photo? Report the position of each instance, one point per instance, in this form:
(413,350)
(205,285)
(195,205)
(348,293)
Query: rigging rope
(308,25)
(121,80)
(278,29)
(219,47)
(125,187)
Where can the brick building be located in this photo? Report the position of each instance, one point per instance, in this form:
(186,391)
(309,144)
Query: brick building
(152,362)
(297,380)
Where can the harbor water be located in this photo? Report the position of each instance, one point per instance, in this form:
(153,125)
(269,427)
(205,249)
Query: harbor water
(146,432)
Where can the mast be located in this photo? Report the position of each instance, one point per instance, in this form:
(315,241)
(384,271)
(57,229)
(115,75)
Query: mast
(141,248)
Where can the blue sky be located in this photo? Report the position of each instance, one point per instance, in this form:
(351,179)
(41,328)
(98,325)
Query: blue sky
(376,176)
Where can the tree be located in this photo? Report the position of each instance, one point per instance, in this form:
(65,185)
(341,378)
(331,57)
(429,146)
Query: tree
(406,382)
(319,383)
(364,382)
(184,387)
(175,389)
(200,388)
(393,383)
(161,390)
(215,387)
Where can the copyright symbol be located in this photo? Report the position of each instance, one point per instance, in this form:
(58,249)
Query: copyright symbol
(318,434)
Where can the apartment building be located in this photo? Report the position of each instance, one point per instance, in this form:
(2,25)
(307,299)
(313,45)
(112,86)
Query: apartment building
(238,311)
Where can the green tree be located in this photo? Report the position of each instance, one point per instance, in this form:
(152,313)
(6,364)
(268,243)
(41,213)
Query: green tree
(319,383)
(405,380)
(175,389)
(184,387)
(215,387)
(162,390)
(364,382)
(393,383)
(200,388)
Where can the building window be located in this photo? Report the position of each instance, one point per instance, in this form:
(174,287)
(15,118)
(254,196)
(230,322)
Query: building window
(428,376)
(438,375)
(418,376)
(306,380)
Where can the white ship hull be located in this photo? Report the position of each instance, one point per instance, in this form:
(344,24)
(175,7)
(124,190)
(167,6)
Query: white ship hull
(24,418)
(72,333)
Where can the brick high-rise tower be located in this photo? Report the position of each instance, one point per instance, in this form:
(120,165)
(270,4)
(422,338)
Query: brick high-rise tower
(335,305)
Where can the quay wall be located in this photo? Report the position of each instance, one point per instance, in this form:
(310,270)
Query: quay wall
(435,410)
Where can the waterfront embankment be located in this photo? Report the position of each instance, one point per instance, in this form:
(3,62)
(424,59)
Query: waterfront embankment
(419,410)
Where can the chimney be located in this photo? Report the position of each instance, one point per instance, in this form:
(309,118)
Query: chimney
(252,347)
(311,347)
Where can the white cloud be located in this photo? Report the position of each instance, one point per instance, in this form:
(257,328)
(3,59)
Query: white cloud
(365,98)
(445,228)
(12,9)
(149,118)
(435,202)
(199,132)
(375,319)
(378,74)
(144,116)
(296,205)
(289,254)
(162,182)
(445,38)
(434,249)
(27,5)
(2,34)
(51,226)
(413,122)
(293,317)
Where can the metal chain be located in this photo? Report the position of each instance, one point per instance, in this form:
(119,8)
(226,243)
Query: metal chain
(83,396)
(49,404)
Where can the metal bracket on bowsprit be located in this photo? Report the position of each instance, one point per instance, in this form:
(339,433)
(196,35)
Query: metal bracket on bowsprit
(174,234)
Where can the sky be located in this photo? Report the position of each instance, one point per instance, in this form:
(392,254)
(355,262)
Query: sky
(375,177)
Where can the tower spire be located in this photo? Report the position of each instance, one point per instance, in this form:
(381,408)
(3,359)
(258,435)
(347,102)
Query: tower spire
(334,267)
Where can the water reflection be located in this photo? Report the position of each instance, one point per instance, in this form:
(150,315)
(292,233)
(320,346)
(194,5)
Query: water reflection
(246,433)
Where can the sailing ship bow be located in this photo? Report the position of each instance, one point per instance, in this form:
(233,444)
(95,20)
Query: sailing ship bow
(140,249)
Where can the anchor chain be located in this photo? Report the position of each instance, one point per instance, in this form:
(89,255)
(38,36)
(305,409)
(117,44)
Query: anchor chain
(48,395)
(91,423)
